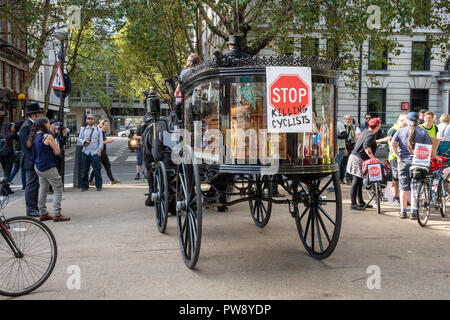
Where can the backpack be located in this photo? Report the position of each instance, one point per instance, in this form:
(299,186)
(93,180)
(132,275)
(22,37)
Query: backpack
(5,150)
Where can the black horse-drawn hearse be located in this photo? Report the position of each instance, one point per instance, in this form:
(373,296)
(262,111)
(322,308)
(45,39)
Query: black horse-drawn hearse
(238,138)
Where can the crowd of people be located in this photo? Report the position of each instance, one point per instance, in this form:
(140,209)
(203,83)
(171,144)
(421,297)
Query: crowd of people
(35,148)
(358,147)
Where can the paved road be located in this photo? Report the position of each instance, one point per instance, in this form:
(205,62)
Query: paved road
(113,240)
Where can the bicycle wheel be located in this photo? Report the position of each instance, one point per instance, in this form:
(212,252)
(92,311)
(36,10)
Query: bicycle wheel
(378,197)
(24,272)
(423,203)
(442,194)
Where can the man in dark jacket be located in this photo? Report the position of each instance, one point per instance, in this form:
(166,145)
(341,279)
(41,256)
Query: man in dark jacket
(32,186)
(235,53)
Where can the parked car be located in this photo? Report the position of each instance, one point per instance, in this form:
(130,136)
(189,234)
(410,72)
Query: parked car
(124,133)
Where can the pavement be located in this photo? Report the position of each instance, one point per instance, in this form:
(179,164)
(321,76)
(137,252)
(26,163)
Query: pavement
(113,241)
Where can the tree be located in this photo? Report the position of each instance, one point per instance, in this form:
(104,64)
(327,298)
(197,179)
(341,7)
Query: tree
(155,42)
(36,22)
(263,23)
(98,58)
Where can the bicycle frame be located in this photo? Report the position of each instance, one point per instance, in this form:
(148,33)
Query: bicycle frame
(8,238)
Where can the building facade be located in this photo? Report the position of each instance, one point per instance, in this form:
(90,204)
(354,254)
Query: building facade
(416,78)
(14,62)
(125,113)
(40,84)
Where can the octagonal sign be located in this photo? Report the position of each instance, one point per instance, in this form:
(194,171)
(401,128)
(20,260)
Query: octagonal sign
(289,99)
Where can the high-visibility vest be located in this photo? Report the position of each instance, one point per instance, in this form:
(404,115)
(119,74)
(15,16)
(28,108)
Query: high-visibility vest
(432,131)
(392,155)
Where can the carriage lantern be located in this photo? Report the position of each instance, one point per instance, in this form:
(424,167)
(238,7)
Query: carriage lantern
(153,103)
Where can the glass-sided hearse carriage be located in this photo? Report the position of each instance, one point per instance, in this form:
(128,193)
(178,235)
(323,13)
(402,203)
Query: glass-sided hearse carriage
(229,155)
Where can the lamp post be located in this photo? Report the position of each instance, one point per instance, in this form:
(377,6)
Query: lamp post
(62,37)
(22,98)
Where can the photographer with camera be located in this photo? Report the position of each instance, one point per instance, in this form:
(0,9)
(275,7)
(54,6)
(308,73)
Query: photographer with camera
(91,137)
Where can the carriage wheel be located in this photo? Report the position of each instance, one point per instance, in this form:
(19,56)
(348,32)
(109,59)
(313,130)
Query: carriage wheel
(319,224)
(162,197)
(260,210)
(189,210)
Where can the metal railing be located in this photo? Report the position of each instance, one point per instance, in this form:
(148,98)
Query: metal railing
(71,141)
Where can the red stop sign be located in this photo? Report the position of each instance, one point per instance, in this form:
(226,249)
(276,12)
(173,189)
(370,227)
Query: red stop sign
(289,94)
(374,171)
(422,153)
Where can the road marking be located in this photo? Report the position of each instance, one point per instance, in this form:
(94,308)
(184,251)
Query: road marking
(131,159)
(113,158)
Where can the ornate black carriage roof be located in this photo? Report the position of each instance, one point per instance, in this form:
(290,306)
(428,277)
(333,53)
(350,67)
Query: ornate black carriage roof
(322,65)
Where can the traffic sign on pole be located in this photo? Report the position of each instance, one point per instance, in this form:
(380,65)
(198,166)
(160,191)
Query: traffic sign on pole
(58,80)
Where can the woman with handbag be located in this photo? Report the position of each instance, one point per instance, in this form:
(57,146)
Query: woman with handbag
(364,149)
(44,150)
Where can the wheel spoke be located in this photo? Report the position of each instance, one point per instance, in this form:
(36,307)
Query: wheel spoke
(323,227)
(326,185)
(303,214)
(258,218)
(326,215)
(319,236)
(307,225)
(311,212)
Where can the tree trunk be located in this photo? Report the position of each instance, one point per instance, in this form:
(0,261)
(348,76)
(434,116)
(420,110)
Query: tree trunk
(107,110)
(49,90)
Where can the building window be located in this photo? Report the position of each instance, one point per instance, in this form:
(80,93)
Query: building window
(42,81)
(376,103)
(18,80)
(332,49)
(286,46)
(8,76)
(378,60)
(310,47)
(10,36)
(421,56)
(419,99)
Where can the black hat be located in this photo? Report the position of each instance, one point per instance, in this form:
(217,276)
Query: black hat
(34,108)
(423,110)
(235,41)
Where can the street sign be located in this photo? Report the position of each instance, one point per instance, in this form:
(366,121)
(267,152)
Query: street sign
(405,106)
(375,173)
(58,80)
(289,107)
(422,154)
(68,84)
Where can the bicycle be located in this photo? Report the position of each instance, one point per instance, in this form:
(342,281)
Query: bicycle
(28,252)
(374,181)
(431,192)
